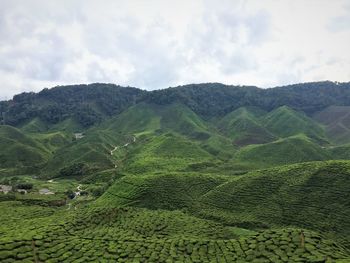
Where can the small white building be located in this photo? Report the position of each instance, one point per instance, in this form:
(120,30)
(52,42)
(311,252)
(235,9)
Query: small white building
(46,191)
(5,188)
(79,136)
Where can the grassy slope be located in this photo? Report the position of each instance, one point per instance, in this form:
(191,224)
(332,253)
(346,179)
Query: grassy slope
(52,140)
(34,126)
(173,136)
(38,126)
(140,235)
(152,147)
(165,202)
(182,120)
(337,122)
(20,150)
(292,149)
(310,195)
(139,119)
(285,122)
(243,127)
(167,138)
(93,149)
(159,191)
(166,152)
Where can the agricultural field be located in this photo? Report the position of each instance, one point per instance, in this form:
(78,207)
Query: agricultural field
(171,176)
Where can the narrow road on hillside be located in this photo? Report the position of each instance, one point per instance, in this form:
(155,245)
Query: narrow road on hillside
(123,146)
(115,148)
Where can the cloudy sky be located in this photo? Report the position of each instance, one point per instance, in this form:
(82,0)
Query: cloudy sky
(157,44)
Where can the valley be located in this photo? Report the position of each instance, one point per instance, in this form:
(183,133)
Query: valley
(196,173)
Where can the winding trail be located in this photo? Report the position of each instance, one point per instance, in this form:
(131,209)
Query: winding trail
(78,193)
(115,148)
(123,146)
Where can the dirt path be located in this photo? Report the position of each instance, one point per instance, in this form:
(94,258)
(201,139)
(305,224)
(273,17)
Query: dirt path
(123,146)
(115,148)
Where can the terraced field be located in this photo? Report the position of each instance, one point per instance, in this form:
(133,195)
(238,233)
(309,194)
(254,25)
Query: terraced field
(139,235)
(180,175)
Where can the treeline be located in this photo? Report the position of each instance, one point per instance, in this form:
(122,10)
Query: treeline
(89,104)
(215,99)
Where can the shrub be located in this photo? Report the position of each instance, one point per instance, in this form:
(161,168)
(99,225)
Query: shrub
(26,186)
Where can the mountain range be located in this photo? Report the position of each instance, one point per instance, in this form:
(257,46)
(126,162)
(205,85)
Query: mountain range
(219,173)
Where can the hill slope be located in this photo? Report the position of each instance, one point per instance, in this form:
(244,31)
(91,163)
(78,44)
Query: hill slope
(198,173)
(337,122)
(285,122)
(244,127)
(311,195)
(19,150)
(292,149)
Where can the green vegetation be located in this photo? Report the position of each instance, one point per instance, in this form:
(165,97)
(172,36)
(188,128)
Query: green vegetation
(285,122)
(198,173)
(244,127)
(293,149)
(337,122)
(20,150)
(283,196)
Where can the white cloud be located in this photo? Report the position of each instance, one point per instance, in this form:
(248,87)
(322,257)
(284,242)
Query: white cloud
(155,44)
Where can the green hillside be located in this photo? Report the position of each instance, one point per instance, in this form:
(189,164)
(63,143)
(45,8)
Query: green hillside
(141,118)
(196,173)
(285,122)
(182,120)
(243,126)
(166,152)
(302,195)
(20,150)
(292,149)
(310,195)
(93,150)
(140,235)
(336,120)
(35,126)
(165,191)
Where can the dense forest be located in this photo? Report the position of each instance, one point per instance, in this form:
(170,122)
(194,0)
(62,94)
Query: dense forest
(87,104)
(90,104)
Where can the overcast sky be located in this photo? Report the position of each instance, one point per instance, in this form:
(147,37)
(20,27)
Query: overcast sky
(157,44)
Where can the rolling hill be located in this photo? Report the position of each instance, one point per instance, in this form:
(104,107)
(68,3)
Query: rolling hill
(20,150)
(244,127)
(292,149)
(195,173)
(336,120)
(285,122)
(293,195)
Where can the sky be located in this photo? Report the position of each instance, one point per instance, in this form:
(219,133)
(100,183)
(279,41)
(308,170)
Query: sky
(156,44)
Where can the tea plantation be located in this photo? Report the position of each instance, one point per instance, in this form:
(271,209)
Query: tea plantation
(200,173)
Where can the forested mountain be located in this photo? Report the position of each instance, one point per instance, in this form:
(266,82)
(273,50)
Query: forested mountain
(196,173)
(89,104)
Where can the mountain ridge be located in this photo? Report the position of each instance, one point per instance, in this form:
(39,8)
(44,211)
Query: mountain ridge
(90,104)
(199,173)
